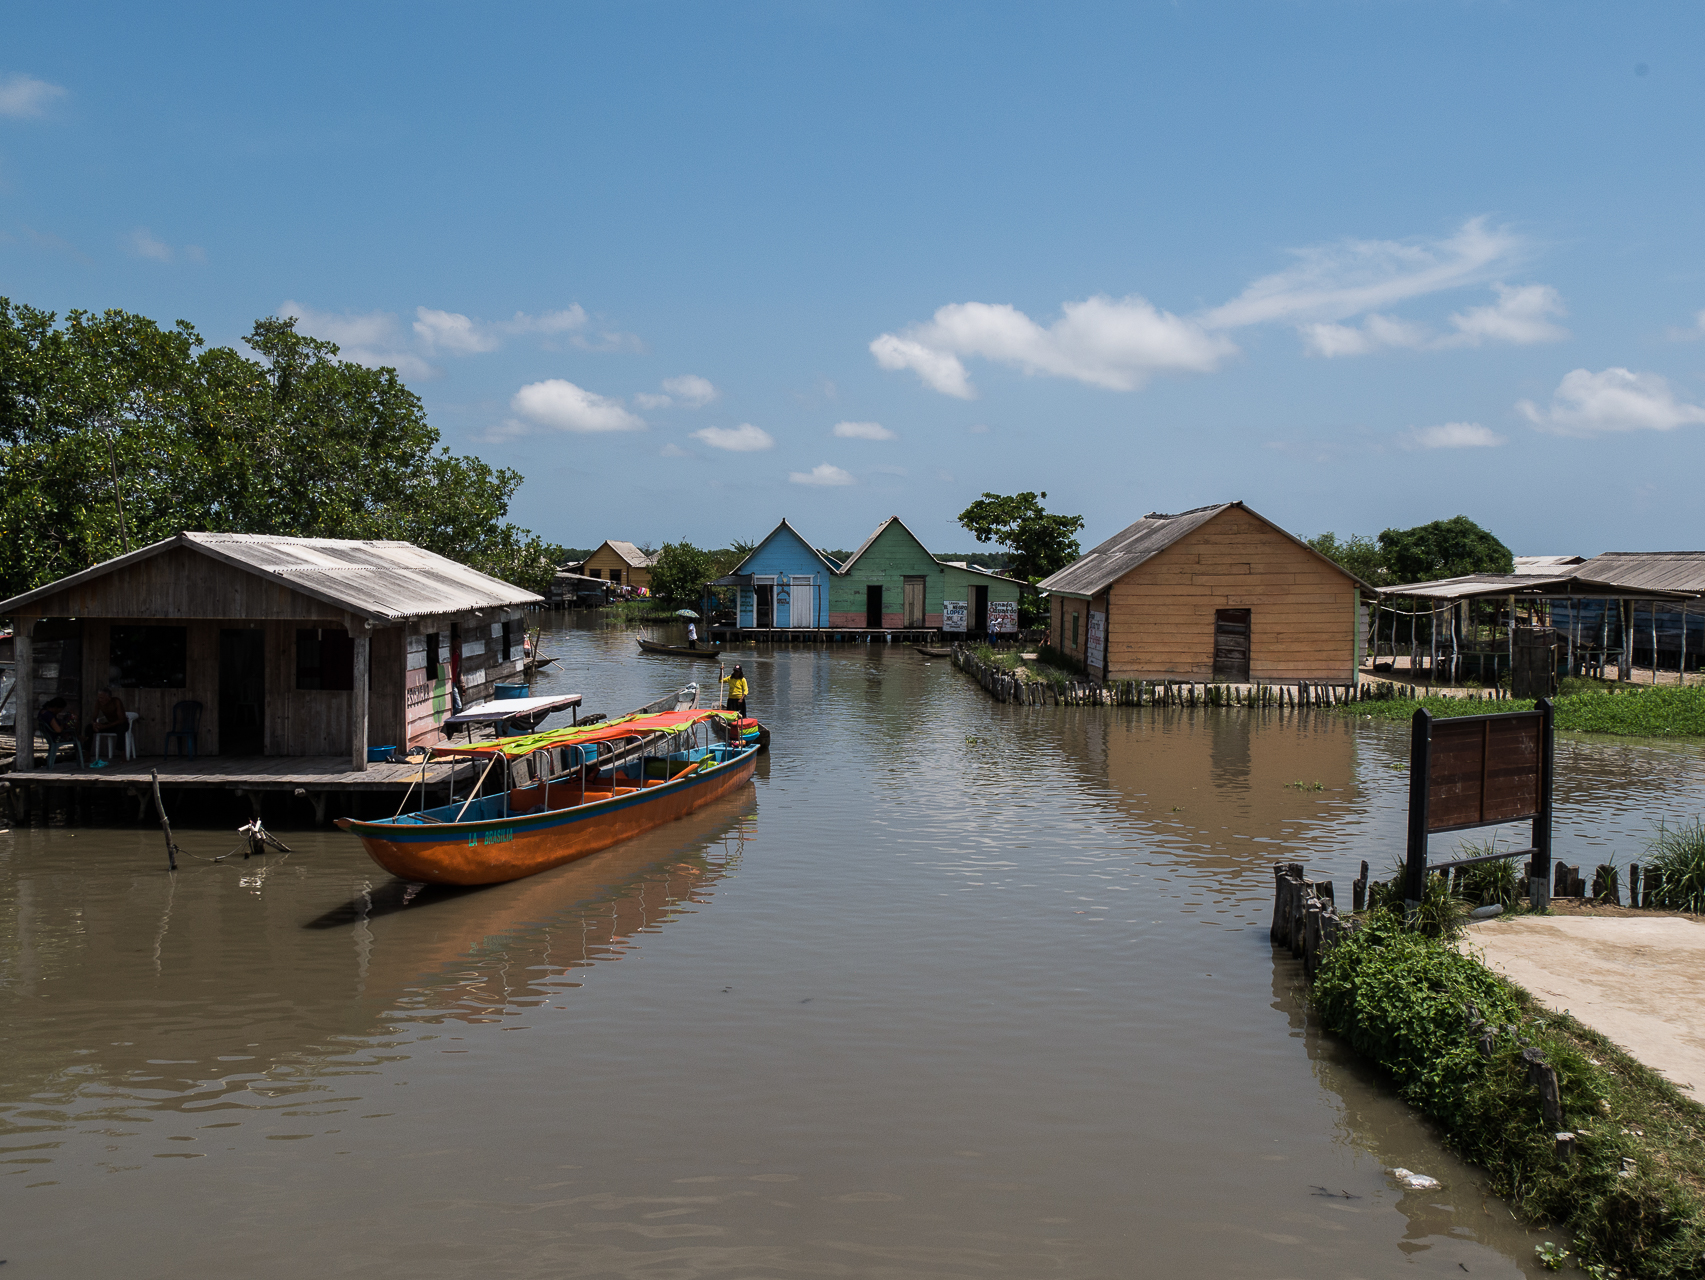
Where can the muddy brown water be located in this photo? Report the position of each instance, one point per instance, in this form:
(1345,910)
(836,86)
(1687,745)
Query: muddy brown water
(953,990)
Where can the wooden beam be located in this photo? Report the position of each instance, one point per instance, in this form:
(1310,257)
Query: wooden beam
(363,644)
(24,693)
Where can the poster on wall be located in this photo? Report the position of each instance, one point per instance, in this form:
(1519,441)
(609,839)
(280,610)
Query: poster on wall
(953,613)
(1003,616)
(1097,653)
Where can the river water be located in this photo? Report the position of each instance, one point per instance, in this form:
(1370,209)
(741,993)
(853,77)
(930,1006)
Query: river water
(954,989)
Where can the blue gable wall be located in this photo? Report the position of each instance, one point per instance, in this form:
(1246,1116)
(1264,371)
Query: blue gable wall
(789,559)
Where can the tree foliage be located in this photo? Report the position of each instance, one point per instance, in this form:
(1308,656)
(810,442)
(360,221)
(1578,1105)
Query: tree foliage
(1358,554)
(1443,549)
(296,442)
(1040,543)
(681,571)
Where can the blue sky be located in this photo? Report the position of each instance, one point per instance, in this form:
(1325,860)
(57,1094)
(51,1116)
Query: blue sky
(692,269)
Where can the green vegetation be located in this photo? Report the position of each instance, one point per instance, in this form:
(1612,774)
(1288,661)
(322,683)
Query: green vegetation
(1676,860)
(115,430)
(1040,544)
(681,572)
(1442,549)
(1646,711)
(1035,669)
(1633,1194)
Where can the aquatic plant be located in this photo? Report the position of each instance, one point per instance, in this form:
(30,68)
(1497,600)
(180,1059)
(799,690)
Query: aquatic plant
(1676,861)
(1486,883)
(1649,711)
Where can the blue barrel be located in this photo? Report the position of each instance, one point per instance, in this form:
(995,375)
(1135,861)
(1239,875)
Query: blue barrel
(511,690)
(380,755)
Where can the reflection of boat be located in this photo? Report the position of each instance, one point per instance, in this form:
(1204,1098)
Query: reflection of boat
(584,788)
(933,653)
(678,650)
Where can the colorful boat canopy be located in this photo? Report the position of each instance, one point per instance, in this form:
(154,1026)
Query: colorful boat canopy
(574,735)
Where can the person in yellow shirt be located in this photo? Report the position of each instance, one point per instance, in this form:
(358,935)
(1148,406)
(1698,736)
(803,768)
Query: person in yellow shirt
(736,691)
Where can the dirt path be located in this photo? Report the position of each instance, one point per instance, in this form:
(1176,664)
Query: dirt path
(1640,980)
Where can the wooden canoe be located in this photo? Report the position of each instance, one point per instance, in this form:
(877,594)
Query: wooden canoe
(679,651)
(537,837)
(933,653)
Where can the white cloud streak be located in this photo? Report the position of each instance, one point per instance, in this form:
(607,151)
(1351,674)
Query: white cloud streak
(1456,435)
(23,97)
(863,431)
(559,404)
(744,438)
(1615,399)
(690,389)
(1120,343)
(452,333)
(145,244)
(370,338)
(823,474)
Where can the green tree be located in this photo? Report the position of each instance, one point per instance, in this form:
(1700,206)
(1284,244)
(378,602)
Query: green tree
(681,572)
(1040,543)
(1443,549)
(297,442)
(1358,553)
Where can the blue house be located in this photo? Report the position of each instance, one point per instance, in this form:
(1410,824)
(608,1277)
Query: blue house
(784,583)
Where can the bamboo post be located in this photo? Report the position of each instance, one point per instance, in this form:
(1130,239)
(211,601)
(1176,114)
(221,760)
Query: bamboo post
(165,826)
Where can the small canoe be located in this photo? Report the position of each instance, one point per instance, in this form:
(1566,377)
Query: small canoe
(589,787)
(933,653)
(678,650)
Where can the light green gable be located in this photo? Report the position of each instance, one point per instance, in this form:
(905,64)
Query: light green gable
(888,559)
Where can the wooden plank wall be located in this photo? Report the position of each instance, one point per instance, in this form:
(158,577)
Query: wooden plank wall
(601,561)
(1161,618)
(889,561)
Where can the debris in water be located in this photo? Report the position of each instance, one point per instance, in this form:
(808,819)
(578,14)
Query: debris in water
(1335,1195)
(1415,1181)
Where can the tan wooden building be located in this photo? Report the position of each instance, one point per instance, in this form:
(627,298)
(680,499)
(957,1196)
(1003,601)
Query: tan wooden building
(291,646)
(1218,593)
(620,563)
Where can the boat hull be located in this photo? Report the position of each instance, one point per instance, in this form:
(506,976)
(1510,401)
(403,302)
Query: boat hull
(677,651)
(503,849)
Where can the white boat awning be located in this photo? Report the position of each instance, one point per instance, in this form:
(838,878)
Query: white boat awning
(498,709)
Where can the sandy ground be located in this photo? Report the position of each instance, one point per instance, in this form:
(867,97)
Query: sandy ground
(1638,979)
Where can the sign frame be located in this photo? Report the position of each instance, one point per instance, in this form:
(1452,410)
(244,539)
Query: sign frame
(1426,773)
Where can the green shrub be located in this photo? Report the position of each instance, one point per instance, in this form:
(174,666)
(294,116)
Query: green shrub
(1676,857)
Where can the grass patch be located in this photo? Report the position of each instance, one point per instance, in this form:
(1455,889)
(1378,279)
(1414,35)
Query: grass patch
(1676,858)
(1035,671)
(1649,711)
(1634,1194)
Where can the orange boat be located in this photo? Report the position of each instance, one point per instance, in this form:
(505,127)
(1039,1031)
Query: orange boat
(584,788)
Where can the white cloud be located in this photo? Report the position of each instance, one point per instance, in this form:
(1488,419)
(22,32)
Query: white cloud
(145,244)
(1327,339)
(1456,435)
(560,404)
(564,321)
(690,389)
(1586,404)
(452,332)
(744,438)
(647,400)
(822,474)
(1334,282)
(23,96)
(1519,317)
(1101,341)
(370,338)
(1693,332)
(863,431)
(939,370)
(673,450)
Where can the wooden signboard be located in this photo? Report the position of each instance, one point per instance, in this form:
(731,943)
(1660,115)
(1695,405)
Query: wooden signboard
(1479,771)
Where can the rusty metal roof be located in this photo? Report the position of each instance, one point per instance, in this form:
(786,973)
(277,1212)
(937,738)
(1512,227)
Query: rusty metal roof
(1106,564)
(1546,566)
(627,551)
(381,581)
(1656,571)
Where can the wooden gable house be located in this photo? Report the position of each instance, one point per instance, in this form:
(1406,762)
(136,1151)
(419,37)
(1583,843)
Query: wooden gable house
(291,646)
(894,582)
(620,563)
(1217,593)
(783,583)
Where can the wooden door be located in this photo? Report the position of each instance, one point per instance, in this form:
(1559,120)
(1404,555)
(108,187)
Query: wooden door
(1231,645)
(766,610)
(804,613)
(873,605)
(242,691)
(914,589)
(980,610)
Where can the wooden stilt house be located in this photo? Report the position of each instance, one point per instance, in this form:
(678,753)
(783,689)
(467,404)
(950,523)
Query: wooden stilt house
(783,583)
(1217,593)
(893,582)
(286,646)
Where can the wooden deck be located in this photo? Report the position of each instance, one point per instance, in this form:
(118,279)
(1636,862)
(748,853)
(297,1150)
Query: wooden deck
(247,773)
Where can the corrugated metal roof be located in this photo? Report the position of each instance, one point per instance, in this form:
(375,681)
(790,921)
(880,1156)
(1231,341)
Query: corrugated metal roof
(1473,585)
(627,551)
(1546,566)
(1106,564)
(1682,571)
(383,581)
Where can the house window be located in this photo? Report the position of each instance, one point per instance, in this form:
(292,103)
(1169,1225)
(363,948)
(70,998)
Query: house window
(615,575)
(150,657)
(1074,628)
(325,659)
(433,659)
(508,640)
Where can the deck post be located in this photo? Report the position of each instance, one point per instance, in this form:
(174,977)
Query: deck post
(362,643)
(24,694)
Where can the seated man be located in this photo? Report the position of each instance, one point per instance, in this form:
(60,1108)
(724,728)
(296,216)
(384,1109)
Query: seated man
(109,718)
(57,724)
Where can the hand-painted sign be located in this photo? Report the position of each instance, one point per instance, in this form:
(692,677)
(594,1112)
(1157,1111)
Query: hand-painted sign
(953,613)
(1097,656)
(1003,616)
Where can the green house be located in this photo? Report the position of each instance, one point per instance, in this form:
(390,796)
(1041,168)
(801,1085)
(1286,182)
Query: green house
(893,582)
